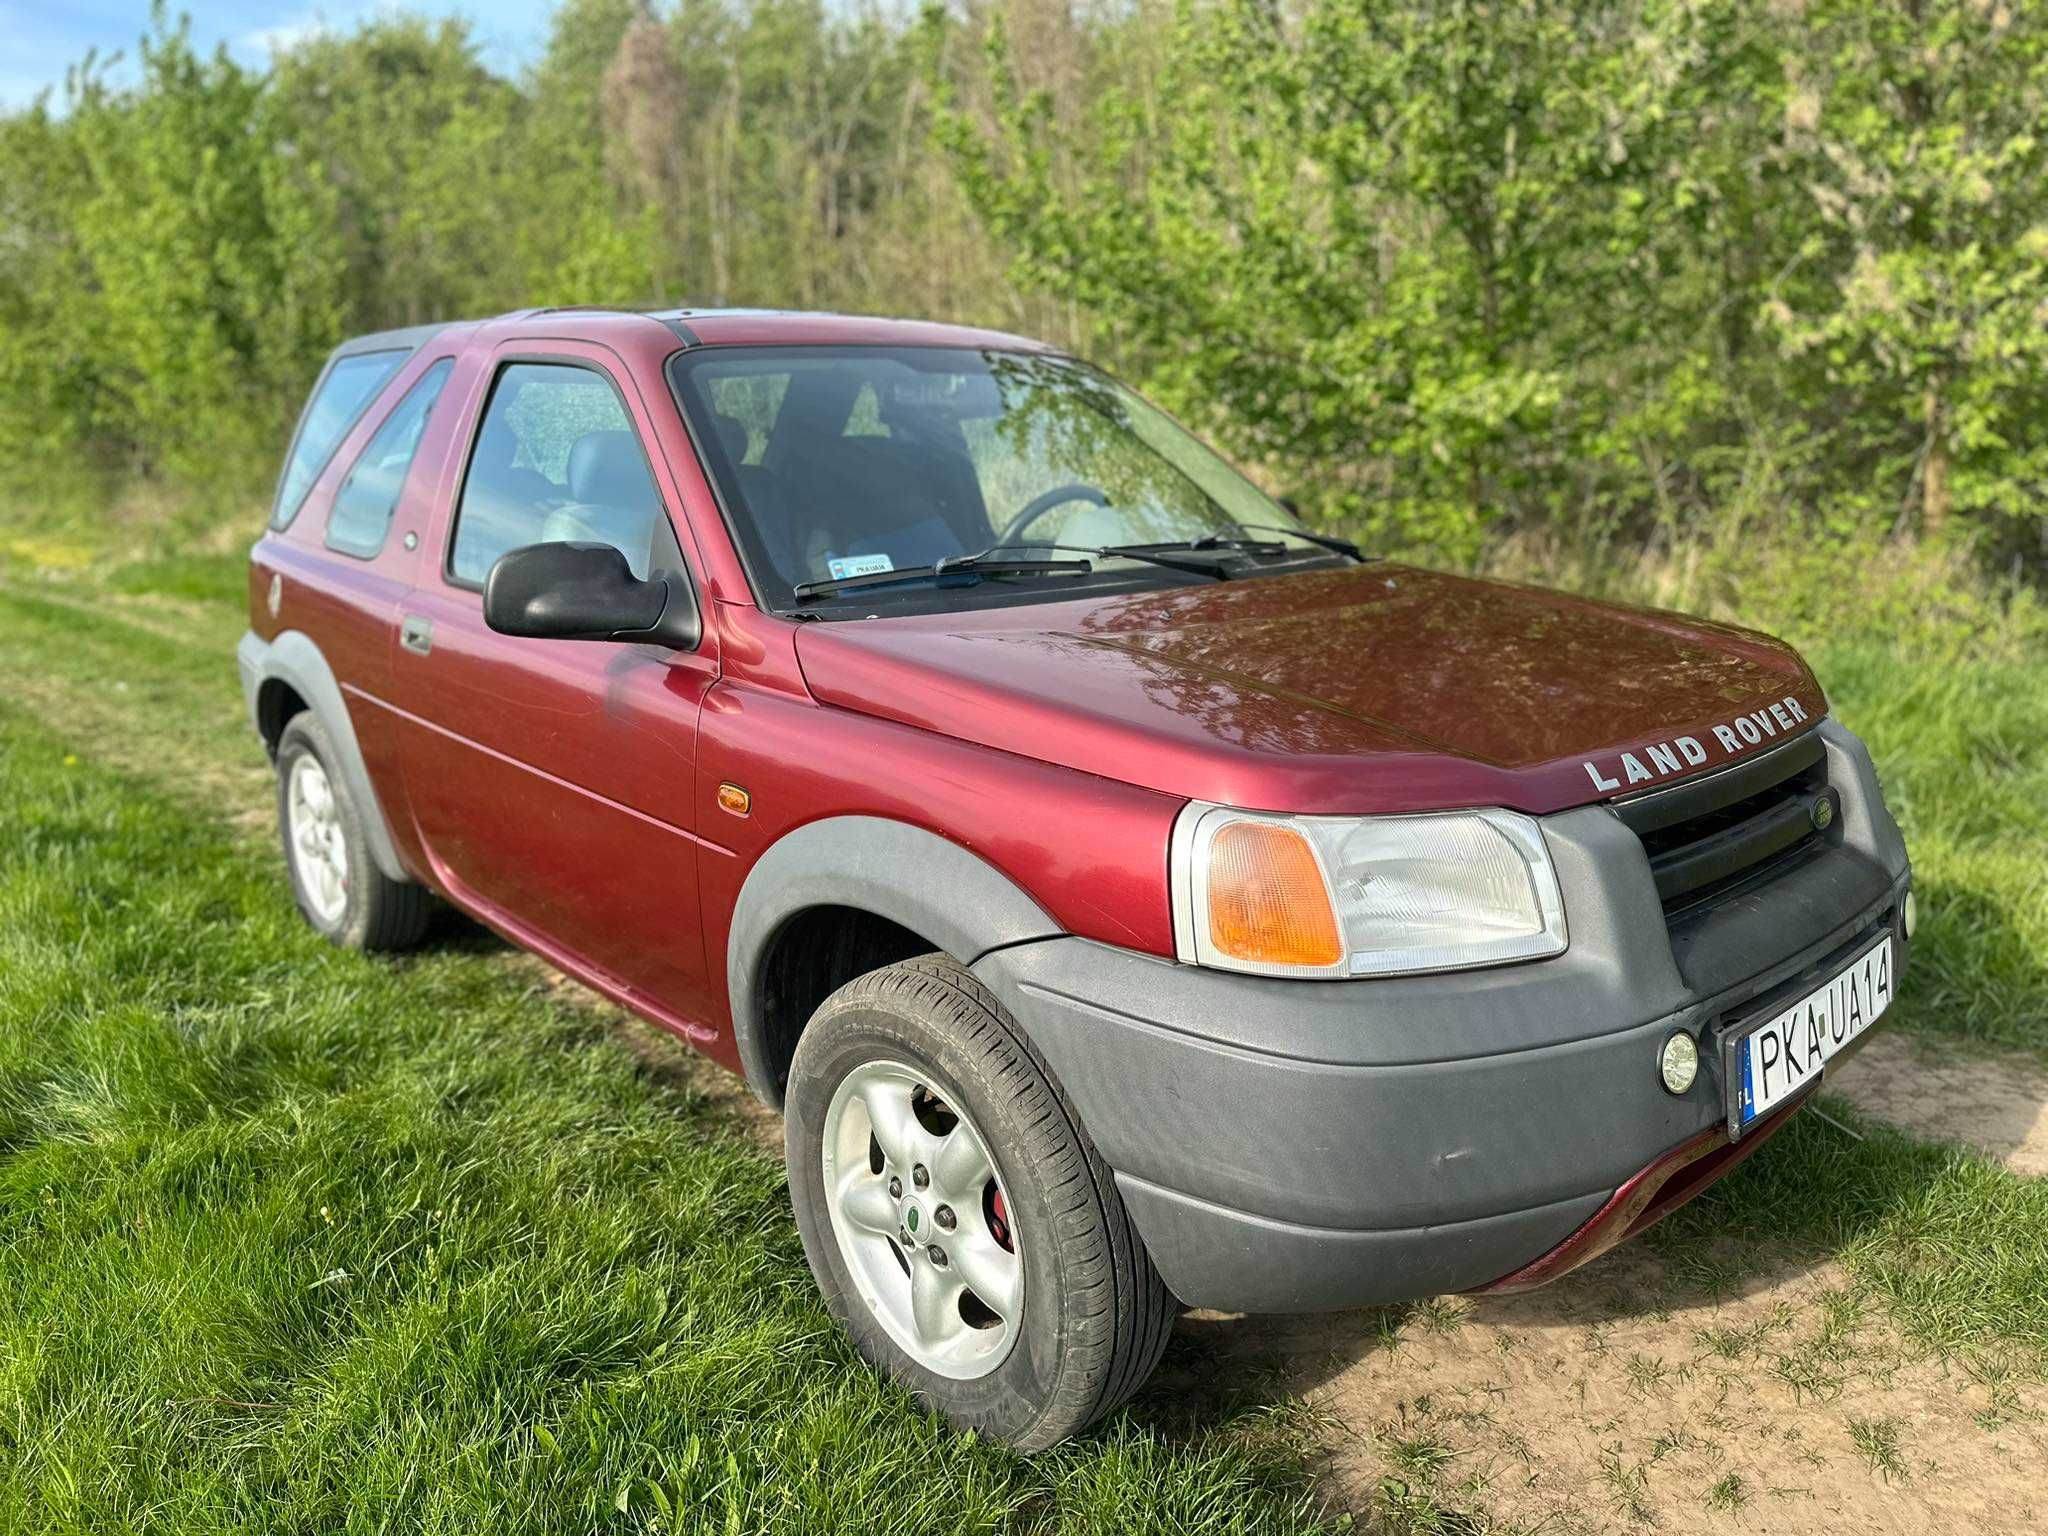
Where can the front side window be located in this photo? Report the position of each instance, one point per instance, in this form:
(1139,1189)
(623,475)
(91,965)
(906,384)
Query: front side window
(343,393)
(363,507)
(556,461)
(844,461)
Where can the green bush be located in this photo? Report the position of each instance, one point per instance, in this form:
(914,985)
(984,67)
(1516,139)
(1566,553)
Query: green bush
(1460,269)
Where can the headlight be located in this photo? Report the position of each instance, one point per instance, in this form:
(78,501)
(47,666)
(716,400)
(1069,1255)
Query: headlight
(1336,896)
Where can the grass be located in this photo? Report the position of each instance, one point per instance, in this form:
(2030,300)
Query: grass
(1964,754)
(1728,1495)
(1953,1246)
(221,579)
(1628,1487)
(1420,1456)
(1877,1442)
(297,1240)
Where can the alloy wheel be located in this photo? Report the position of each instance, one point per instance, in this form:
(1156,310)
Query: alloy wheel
(319,843)
(921,1219)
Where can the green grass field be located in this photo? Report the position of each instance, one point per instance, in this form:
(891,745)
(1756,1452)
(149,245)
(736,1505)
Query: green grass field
(295,1240)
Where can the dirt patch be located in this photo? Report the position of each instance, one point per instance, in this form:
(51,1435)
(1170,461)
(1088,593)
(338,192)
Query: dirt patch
(179,621)
(1993,1104)
(156,731)
(191,739)
(1602,1403)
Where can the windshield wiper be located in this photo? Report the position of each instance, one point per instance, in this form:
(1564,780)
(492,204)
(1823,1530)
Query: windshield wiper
(952,565)
(1205,541)
(1327,540)
(995,561)
(1150,554)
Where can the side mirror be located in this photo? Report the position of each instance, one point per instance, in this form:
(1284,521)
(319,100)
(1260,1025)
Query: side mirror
(587,592)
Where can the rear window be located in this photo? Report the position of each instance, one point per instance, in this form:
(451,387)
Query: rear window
(343,393)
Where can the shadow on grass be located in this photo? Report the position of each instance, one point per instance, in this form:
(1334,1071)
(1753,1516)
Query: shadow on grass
(1951,1246)
(455,932)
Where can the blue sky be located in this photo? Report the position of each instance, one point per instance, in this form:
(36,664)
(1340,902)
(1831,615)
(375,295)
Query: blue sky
(40,39)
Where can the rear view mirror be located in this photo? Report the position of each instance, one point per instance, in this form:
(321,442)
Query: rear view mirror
(587,592)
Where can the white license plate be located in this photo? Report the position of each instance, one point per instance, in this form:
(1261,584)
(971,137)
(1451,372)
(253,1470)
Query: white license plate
(1782,1054)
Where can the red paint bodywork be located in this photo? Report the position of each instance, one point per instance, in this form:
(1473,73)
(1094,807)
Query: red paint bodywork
(1373,688)
(566,793)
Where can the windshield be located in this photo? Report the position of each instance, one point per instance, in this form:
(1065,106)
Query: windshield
(839,462)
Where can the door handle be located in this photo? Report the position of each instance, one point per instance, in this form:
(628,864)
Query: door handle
(417,635)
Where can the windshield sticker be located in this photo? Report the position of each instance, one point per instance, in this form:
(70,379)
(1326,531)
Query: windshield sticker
(843,566)
(1669,757)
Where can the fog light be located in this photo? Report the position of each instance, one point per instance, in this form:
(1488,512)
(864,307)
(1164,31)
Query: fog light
(1912,913)
(1680,1063)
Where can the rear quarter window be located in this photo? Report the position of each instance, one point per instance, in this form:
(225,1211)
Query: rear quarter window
(363,507)
(343,393)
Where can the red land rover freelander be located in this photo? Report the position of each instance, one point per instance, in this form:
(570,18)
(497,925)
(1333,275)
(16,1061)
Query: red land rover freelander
(1129,895)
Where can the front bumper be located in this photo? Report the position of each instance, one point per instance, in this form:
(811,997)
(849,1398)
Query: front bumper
(1294,1146)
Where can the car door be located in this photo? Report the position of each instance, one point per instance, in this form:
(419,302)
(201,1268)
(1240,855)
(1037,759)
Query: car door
(551,781)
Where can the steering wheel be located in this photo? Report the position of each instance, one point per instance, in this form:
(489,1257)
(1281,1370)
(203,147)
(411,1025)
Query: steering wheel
(1043,503)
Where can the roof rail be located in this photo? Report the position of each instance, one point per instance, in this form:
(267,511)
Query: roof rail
(683,332)
(409,338)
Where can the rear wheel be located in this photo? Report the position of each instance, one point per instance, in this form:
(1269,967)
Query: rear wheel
(335,877)
(959,1222)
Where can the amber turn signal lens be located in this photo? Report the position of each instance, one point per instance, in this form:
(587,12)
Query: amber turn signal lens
(1268,903)
(732,798)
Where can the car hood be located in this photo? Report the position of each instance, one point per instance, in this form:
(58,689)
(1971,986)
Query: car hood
(1374,688)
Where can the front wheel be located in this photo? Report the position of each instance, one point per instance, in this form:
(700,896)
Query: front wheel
(959,1222)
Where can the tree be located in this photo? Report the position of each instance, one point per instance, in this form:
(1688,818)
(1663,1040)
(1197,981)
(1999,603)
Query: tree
(1454,267)
(390,139)
(1914,309)
(187,299)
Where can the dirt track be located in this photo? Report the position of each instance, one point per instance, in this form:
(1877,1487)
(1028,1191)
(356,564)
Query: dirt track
(1996,1105)
(1606,1402)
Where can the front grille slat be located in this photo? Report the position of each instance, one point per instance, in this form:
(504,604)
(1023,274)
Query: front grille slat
(1735,851)
(1712,835)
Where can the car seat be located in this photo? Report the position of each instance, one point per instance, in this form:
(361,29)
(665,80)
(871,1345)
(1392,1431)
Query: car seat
(611,498)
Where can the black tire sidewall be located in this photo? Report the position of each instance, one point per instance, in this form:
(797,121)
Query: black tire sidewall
(304,737)
(1036,1382)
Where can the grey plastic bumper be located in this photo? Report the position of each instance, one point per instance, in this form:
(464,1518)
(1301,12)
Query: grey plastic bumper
(1300,1146)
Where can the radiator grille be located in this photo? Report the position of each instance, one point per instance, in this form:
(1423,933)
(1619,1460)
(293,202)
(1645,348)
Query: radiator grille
(1735,828)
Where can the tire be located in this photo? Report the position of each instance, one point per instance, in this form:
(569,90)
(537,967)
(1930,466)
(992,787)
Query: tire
(360,907)
(1092,1317)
